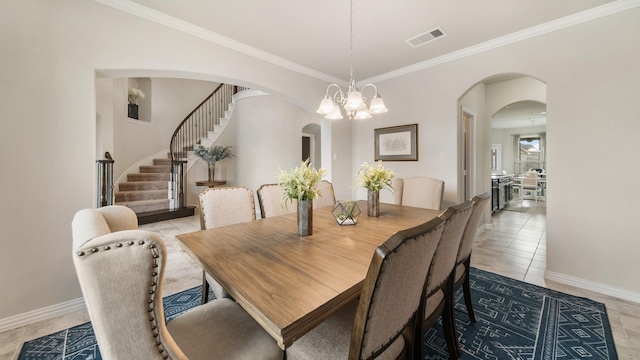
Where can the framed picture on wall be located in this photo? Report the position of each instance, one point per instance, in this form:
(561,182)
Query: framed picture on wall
(396,143)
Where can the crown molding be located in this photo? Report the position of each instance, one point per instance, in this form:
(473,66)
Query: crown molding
(567,21)
(144,12)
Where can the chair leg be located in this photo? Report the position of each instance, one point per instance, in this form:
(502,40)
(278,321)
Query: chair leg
(205,289)
(466,288)
(418,338)
(449,322)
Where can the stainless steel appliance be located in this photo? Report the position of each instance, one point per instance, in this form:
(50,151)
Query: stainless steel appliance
(501,191)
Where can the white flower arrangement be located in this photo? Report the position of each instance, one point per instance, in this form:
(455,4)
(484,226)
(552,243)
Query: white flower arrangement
(213,153)
(375,178)
(301,183)
(135,95)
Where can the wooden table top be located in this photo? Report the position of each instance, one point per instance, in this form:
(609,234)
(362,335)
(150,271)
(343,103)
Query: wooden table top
(292,283)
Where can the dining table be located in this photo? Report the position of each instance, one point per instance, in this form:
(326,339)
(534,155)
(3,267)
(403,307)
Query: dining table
(289,283)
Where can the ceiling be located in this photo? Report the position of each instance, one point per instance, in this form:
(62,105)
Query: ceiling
(315,34)
(521,114)
(312,37)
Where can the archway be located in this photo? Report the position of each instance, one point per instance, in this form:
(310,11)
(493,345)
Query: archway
(476,109)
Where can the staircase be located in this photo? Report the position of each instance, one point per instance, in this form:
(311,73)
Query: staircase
(147,192)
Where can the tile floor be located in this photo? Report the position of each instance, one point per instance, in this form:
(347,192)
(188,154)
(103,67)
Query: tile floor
(514,246)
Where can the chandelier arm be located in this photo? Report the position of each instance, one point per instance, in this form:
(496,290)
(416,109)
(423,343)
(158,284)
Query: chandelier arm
(338,96)
(375,89)
(353,104)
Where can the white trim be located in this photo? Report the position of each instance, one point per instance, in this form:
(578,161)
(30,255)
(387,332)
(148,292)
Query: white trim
(45,313)
(186,27)
(158,17)
(471,174)
(249,93)
(593,286)
(567,21)
(139,122)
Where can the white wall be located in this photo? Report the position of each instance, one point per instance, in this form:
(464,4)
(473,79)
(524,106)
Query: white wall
(591,97)
(474,103)
(268,133)
(48,111)
(47,95)
(169,101)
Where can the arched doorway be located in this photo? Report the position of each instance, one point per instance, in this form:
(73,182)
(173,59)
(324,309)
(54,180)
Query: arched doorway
(477,106)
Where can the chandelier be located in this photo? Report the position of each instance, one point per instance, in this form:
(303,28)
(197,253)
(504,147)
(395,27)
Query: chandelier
(354,103)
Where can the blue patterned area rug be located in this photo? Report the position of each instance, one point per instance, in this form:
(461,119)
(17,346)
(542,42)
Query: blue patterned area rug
(79,342)
(515,320)
(520,321)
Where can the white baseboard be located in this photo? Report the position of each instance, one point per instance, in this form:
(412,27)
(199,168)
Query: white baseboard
(593,286)
(46,313)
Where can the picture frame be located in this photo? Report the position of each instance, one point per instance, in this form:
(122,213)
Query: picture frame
(396,143)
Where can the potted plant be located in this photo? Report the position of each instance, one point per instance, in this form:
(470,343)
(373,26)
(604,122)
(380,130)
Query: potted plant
(133,96)
(374,179)
(211,155)
(301,184)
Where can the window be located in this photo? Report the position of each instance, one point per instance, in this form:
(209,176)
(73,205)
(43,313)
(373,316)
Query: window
(530,150)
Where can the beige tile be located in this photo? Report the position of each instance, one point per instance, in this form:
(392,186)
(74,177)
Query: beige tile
(10,342)
(515,251)
(50,326)
(512,261)
(634,341)
(514,247)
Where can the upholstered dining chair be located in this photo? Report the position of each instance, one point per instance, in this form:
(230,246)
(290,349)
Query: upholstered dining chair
(529,184)
(439,284)
(221,206)
(121,271)
(418,191)
(271,203)
(381,324)
(326,197)
(463,261)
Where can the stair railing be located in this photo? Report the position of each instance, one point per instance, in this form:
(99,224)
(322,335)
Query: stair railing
(105,181)
(188,134)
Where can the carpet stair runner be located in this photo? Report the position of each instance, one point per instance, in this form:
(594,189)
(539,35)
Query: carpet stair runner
(147,193)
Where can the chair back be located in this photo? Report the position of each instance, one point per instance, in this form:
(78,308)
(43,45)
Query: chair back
(386,315)
(444,259)
(227,205)
(326,196)
(480,205)
(121,270)
(530,181)
(419,191)
(271,203)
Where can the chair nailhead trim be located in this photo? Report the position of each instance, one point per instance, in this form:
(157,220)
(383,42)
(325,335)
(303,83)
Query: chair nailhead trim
(153,284)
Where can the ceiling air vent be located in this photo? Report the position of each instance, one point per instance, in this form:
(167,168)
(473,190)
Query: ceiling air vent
(426,37)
